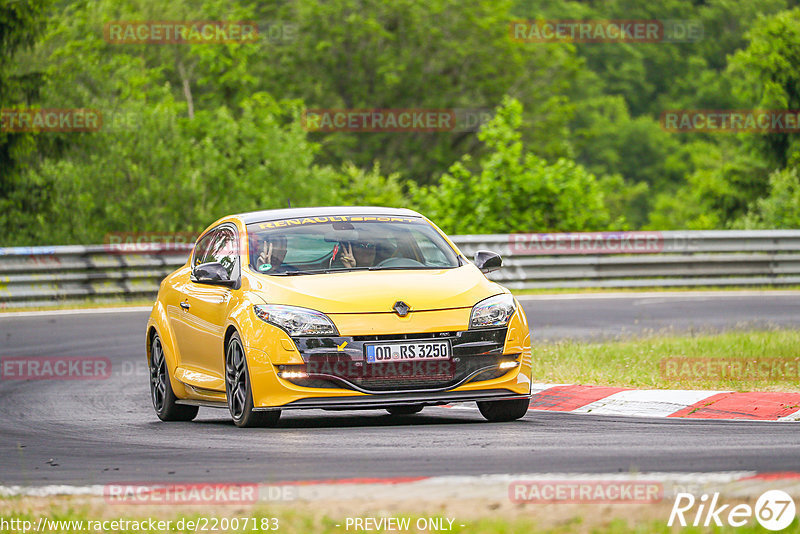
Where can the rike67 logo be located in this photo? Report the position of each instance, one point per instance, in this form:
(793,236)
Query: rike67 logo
(774,510)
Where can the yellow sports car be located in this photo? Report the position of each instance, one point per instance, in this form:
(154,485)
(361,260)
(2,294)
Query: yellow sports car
(336,309)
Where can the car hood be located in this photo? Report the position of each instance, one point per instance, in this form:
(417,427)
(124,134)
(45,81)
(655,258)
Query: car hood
(377,291)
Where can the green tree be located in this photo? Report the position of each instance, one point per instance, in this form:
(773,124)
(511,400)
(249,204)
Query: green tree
(357,187)
(715,194)
(511,189)
(767,75)
(21,22)
(779,209)
(430,54)
(167,172)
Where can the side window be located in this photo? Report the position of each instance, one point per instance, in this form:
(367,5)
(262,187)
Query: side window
(224,249)
(220,246)
(203,247)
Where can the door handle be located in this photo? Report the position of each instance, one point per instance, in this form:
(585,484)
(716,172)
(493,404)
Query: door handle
(185,305)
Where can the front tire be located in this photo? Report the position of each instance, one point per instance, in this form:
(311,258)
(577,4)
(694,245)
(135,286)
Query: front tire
(504,411)
(164,399)
(239,391)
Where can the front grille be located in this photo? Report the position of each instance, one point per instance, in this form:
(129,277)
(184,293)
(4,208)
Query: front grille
(339,362)
(402,337)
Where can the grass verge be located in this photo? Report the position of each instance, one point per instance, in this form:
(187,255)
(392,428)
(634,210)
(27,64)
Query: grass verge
(760,360)
(63,515)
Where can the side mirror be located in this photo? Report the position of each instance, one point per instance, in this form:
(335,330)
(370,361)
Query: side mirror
(488,261)
(212,273)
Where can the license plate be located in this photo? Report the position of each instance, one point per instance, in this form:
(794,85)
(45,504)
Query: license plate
(412,351)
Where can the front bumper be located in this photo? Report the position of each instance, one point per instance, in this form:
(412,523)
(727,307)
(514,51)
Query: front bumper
(400,399)
(476,376)
(339,362)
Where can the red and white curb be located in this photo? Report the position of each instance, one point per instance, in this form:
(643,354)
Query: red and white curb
(686,404)
(738,484)
(672,403)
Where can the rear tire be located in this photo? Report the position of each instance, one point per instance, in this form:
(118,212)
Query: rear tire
(504,411)
(164,399)
(409,409)
(239,391)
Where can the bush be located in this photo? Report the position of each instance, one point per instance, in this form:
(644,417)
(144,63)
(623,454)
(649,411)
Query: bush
(781,208)
(511,189)
(171,173)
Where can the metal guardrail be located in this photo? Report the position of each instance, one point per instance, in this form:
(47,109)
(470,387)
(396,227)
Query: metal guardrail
(35,276)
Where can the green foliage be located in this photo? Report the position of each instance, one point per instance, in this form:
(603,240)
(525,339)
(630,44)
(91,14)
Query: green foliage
(21,21)
(719,190)
(781,208)
(511,189)
(195,171)
(692,207)
(638,150)
(767,75)
(654,76)
(357,187)
(418,54)
(196,131)
(624,201)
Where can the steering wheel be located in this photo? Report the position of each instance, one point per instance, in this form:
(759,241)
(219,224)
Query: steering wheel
(399,262)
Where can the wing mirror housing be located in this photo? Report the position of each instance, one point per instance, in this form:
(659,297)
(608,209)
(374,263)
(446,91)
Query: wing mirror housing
(212,273)
(488,261)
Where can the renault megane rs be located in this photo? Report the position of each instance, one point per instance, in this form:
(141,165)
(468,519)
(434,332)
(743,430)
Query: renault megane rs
(334,308)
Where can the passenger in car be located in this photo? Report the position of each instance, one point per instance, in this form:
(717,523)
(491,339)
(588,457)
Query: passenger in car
(273,252)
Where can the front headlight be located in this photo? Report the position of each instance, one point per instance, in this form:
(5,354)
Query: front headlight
(296,321)
(494,311)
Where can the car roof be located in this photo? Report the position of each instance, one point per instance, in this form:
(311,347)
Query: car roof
(294,213)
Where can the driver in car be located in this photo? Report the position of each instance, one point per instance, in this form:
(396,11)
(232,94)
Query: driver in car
(356,254)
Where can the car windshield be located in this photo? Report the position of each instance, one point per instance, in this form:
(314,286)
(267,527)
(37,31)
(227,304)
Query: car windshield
(314,245)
